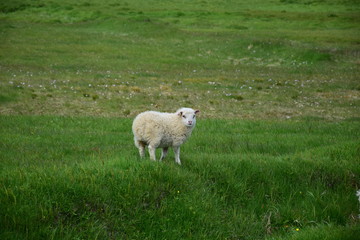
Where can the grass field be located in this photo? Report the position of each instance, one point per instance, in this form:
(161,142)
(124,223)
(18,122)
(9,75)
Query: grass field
(81,178)
(275,154)
(280,59)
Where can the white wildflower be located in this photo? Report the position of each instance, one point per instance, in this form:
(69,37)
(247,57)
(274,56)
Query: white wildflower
(358,195)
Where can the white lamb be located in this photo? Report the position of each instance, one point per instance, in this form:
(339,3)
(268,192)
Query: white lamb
(163,130)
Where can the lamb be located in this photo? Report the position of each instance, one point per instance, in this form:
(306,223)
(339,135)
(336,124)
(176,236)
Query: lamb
(163,130)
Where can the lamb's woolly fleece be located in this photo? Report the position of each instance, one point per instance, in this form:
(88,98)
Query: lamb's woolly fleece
(161,130)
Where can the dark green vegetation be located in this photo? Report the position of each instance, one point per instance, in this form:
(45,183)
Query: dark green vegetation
(81,178)
(267,59)
(275,154)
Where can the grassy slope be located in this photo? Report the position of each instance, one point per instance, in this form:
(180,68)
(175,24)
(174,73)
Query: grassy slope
(79,177)
(281,58)
(67,178)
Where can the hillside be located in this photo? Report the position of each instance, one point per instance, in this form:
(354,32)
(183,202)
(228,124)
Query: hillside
(275,153)
(81,178)
(274,60)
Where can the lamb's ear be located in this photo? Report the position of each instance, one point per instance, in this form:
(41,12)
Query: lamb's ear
(180,114)
(197,111)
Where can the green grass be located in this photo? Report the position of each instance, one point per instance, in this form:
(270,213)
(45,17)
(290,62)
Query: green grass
(69,178)
(284,58)
(275,154)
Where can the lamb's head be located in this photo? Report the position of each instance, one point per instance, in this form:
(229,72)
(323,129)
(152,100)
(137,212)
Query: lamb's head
(188,116)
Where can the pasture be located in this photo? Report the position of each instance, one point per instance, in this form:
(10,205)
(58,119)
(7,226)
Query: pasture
(274,155)
(66,178)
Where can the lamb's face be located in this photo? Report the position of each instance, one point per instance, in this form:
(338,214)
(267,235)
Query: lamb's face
(189,118)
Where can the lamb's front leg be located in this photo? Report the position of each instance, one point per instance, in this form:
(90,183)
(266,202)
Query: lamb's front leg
(177,154)
(164,153)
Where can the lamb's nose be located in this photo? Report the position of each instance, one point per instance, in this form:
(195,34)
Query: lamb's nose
(190,122)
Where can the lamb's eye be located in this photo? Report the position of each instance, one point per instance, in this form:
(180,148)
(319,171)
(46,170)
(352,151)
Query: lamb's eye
(184,116)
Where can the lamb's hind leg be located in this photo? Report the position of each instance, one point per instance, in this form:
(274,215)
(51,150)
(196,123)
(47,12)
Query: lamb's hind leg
(141,146)
(152,151)
(164,153)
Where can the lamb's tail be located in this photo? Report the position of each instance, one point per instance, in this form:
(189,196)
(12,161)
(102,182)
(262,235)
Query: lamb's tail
(139,143)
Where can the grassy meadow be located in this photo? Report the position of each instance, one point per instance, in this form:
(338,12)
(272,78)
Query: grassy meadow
(280,59)
(276,150)
(81,178)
